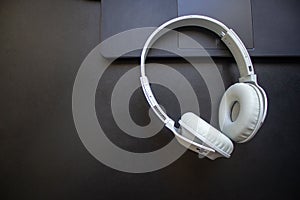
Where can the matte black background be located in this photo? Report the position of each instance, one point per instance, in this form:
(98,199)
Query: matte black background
(41,156)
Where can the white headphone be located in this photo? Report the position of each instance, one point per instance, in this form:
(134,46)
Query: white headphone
(243,107)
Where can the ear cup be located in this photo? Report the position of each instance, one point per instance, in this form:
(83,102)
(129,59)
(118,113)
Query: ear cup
(239,112)
(192,124)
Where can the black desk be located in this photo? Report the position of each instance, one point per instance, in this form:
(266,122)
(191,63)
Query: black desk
(41,156)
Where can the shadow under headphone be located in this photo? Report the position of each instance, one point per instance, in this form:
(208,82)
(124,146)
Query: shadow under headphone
(243,107)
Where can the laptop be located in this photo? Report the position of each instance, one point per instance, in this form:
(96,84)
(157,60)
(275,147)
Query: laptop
(267,28)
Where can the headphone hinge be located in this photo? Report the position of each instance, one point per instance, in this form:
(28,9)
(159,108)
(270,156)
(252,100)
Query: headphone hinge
(202,152)
(169,123)
(248,79)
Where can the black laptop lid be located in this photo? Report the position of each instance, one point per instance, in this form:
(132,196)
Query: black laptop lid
(268,28)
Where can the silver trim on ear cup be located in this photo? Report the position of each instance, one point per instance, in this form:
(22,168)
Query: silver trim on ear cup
(265,101)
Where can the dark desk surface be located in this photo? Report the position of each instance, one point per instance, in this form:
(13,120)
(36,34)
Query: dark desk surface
(41,156)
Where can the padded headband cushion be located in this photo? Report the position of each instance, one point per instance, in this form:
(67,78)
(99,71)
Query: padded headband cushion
(246,117)
(206,133)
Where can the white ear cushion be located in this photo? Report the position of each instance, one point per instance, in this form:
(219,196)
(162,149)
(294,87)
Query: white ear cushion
(206,133)
(243,126)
